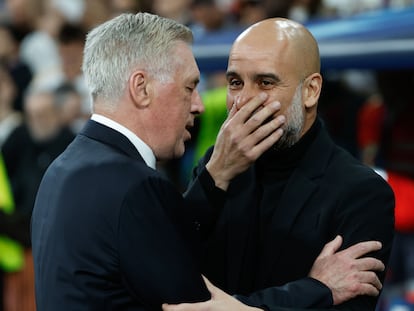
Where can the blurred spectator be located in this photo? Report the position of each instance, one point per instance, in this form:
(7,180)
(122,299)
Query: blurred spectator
(72,11)
(208,16)
(303,10)
(39,48)
(32,146)
(94,13)
(178,10)
(22,14)
(9,58)
(397,139)
(370,122)
(125,6)
(250,12)
(9,118)
(129,6)
(70,104)
(27,153)
(71,40)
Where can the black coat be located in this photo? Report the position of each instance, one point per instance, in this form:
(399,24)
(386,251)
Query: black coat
(107,231)
(329,193)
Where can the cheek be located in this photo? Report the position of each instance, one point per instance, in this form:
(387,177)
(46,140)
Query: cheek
(229,102)
(234,98)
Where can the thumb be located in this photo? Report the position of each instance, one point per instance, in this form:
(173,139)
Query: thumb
(331,247)
(211,288)
(209,285)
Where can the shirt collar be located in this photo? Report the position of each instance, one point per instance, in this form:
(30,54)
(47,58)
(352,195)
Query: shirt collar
(143,149)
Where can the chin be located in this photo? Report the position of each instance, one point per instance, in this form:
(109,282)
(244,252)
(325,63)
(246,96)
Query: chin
(179,152)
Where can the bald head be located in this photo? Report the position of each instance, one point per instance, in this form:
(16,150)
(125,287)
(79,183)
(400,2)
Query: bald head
(281,58)
(285,39)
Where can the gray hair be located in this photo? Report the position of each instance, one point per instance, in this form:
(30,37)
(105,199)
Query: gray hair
(128,42)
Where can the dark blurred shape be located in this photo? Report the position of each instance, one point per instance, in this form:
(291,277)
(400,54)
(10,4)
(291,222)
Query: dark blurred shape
(9,57)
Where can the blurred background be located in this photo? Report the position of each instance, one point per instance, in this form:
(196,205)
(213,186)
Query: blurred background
(367,102)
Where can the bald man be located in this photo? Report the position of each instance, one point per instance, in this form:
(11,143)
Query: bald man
(297,196)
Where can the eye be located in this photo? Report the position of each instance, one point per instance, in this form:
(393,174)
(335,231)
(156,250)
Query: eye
(266,84)
(234,84)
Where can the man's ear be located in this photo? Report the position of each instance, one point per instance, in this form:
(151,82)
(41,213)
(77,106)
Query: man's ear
(139,86)
(312,90)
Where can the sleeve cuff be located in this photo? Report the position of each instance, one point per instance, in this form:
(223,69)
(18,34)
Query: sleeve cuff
(215,195)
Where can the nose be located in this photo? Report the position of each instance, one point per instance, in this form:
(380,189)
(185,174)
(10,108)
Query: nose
(197,106)
(244,95)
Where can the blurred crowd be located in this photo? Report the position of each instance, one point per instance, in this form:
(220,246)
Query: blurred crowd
(44,102)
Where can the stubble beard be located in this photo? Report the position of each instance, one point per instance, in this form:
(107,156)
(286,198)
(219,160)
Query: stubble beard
(295,117)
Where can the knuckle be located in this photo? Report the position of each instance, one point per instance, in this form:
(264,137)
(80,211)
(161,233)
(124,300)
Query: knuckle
(352,265)
(354,288)
(372,275)
(235,139)
(255,119)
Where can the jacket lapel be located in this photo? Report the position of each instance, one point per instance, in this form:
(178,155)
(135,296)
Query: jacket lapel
(109,136)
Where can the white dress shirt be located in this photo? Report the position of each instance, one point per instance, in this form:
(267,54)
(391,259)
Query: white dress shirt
(143,149)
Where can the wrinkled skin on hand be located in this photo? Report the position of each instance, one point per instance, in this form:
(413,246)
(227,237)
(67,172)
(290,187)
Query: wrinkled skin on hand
(249,130)
(220,301)
(346,273)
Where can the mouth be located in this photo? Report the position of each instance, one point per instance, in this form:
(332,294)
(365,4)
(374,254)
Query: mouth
(188,128)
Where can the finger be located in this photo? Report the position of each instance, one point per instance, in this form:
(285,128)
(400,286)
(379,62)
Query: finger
(266,143)
(362,248)
(331,247)
(262,115)
(246,111)
(232,111)
(214,290)
(167,307)
(266,129)
(185,306)
(370,263)
(370,277)
(367,277)
(209,285)
(369,289)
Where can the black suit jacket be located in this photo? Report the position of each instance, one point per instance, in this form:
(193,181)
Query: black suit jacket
(329,193)
(108,231)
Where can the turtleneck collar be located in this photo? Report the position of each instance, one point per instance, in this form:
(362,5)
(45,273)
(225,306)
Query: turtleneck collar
(281,163)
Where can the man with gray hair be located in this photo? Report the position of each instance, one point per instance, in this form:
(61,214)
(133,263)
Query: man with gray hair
(108,231)
(111,233)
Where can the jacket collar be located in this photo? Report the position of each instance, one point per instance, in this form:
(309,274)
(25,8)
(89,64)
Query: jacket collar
(109,136)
